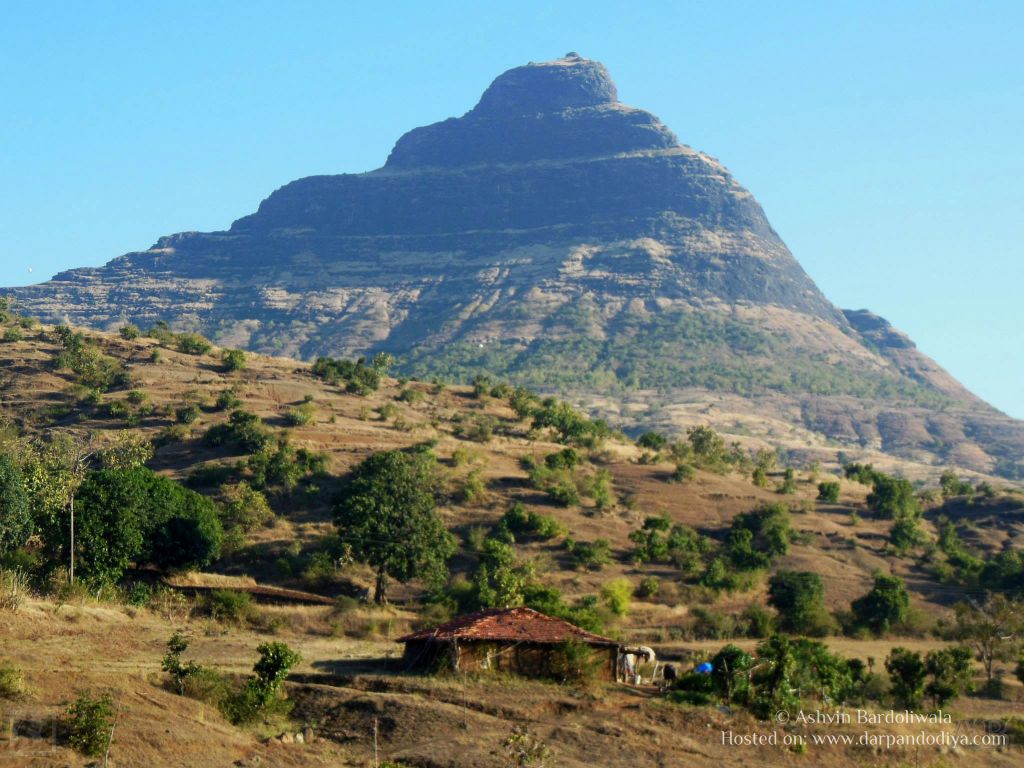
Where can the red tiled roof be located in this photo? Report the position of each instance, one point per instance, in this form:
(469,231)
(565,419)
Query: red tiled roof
(509,624)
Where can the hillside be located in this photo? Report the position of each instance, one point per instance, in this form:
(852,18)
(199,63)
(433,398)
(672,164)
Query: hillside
(557,238)
(171,397)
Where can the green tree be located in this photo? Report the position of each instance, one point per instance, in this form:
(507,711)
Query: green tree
(883,606)
(16,523)
(799,596)
(949,670)
(386,511)
(893,497)
(134,515)
(907,673)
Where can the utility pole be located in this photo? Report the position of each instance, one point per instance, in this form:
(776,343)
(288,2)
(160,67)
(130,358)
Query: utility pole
(83,453)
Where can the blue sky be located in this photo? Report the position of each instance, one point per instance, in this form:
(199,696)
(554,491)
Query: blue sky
(882,139)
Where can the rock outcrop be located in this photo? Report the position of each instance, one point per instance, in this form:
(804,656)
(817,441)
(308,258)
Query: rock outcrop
(554,236)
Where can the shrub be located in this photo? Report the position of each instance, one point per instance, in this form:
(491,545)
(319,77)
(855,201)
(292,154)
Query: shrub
(411,395)
(244,507)
(798,596)
(172,665)
(301,415)
(12,681)
(683,472)
(567,458)
(90,722)
(186,414)
(757,621)
(694,688)
(192,344)
(788,485)
(232,360)
(592,556)
(892,498)
(828,491)
(730,674)
(653,441)
(227,400)
(649,586)
(618,596)
(261,690)
(243,429)
(231,605)
(13,334)
(129,332)
(575,663)
(885,605)
(756,537)
(600,490)
(358,377)
(519,520)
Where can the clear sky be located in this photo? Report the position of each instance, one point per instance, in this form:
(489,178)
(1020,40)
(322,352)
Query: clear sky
(883,139)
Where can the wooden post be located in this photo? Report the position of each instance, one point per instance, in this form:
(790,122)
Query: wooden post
(376,762)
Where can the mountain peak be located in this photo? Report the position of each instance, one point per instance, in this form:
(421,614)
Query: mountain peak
(553,110)
(549,86)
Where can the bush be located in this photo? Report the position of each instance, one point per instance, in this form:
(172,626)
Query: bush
(358,377)
(575,663)
(618,596)
(129,332)
(893,498)
(653,441)
(12,681)
(243,429)
(518,520)
(231,606)
(186,414)
(649,586)
(227,400)
(885,605)
(694,688)
(232,360)
(90,722)
(192,344)
(13,334)
(244,507)
(788,484)
(260,691)
(683,473)
(829,491)
(592,556)
(301,415)
(798,596)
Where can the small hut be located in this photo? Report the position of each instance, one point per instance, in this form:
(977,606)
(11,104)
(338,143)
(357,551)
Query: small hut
(517,640)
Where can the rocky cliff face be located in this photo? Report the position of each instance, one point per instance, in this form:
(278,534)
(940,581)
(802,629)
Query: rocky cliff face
(554,236)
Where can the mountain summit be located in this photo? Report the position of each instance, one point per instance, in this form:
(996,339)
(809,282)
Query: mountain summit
(556,237)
